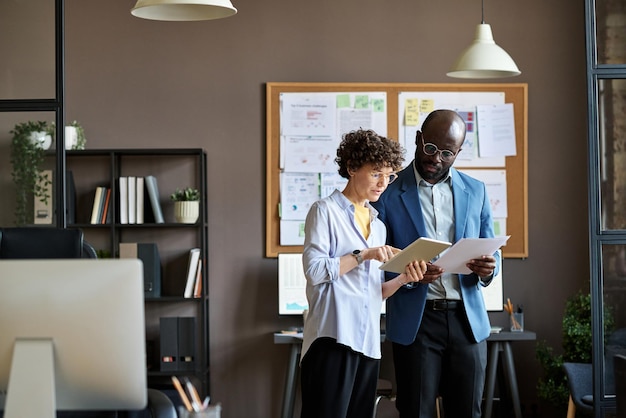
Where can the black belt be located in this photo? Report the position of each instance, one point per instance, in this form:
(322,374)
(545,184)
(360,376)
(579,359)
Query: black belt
(443,304)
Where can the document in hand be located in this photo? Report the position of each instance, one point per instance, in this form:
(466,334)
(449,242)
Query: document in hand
(421,249)
(454,260)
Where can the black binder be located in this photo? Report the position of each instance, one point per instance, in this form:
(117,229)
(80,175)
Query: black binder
(169,343)
(148,253)
(186,343)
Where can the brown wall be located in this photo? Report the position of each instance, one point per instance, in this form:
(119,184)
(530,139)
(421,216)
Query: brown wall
(139,83)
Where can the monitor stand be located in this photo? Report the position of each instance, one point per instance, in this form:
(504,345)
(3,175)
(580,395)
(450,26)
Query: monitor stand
(31,391)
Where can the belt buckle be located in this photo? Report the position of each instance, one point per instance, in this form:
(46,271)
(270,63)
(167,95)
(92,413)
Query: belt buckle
(440,305)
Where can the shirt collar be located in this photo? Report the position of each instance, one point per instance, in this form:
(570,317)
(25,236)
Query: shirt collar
(345,203)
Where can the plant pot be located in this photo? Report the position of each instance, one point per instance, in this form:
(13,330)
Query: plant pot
(41,139)
(186,212)
(71,137)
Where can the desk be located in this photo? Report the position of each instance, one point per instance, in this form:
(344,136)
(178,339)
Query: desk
(496,342)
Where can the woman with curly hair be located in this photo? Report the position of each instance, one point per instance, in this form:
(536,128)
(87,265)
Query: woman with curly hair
(344,246)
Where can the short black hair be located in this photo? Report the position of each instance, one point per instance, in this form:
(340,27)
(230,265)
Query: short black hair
(365,146)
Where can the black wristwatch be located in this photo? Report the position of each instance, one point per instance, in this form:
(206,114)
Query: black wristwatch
(358,256)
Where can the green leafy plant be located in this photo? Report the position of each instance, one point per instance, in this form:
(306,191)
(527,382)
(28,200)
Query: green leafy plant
(577,343)
(27,156)
(185,195)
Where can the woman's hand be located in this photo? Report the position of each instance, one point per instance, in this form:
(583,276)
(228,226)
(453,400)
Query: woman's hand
(382,253)
(413,272)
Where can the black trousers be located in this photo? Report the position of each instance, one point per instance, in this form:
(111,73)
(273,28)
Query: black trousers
(337,382)
(443,360)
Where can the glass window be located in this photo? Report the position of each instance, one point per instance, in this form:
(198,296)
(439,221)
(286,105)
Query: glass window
(27,48)
(20,166)
(611,31)
(612,133)
(614,318)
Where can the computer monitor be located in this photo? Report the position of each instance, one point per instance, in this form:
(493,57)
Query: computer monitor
(72,336)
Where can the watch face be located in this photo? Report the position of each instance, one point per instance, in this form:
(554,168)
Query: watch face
(356,252)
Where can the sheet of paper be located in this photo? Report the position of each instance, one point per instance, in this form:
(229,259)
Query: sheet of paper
(291,232)
(308,114)
(454,260)
(492,294)
(298,191)
(331,181)
(310,154)
(421,249)
(495,181)
(496,129)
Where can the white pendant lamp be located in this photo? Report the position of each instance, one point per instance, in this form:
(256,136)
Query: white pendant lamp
(484,58)
(183,10)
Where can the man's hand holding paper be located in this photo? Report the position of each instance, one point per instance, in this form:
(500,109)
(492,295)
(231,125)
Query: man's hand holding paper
(468,255)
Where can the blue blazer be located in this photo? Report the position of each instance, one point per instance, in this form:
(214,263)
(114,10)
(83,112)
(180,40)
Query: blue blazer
(399,208)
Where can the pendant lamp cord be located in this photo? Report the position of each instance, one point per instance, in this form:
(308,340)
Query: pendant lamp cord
(482,11)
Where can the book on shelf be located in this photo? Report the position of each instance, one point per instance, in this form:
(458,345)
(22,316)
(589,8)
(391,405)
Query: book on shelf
(153,196)
(192,269)
(139,200)
(132,200)
(98,202)
(123,200)
(105,209)
(197,287)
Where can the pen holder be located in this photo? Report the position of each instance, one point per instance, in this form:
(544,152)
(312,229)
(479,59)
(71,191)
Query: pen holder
(212,411)
(517,322)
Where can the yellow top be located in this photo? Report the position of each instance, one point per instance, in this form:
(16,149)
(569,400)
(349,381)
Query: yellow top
(362,218)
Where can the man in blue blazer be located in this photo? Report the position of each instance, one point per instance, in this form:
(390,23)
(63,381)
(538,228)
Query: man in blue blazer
(438,327)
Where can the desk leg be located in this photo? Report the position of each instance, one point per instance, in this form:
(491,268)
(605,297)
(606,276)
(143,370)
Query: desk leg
(509,370)
(289,396)
(492,368)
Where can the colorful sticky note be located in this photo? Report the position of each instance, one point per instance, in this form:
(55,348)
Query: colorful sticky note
(411,113)
(343,100)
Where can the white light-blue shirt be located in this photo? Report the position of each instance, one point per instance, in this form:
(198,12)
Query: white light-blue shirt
(346,308)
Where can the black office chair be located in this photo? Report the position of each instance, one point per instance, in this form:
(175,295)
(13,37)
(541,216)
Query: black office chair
(44,242)
(384,390)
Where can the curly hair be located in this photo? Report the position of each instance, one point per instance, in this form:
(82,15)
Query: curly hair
(362,147)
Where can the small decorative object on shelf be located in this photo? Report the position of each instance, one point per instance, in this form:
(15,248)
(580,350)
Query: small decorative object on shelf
(186,205)
(74,136)
(30,140)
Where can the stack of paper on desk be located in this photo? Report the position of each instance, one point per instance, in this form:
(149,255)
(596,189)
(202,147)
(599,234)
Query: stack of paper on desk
(421,249)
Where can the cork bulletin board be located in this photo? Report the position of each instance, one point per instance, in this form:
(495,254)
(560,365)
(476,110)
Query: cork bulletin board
(515,166)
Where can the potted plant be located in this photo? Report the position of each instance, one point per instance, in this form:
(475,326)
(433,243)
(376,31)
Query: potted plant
(577,337)
(30,140)
(74,136)
(186,205)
